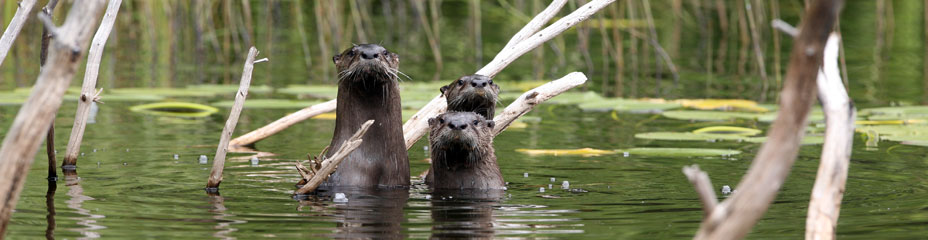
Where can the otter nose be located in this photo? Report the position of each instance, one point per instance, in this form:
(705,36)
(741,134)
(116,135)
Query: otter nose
(457,125)
(479,83)
(370,53)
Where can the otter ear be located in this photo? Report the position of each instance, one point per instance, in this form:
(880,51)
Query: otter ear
(433,121)
(443,89)
(491,124)
(335,58)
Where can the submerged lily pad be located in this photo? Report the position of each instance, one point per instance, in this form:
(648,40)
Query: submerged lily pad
(588,152)
(166,92)
(268,103)
(679,152)
(740,131)
(228,88)
(626,105)
(687,136)
(175,109)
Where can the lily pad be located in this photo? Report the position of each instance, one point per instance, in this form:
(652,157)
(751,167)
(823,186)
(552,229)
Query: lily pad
(407,113)
(573,98)
(626,105)
(268,103)
(806,140)
(587,152)
(316,91)
(166,92)
(700,115)
(740,131)
(679,152)
(228,89)
(885,113)
(723,104)
(175,109)
(687,136)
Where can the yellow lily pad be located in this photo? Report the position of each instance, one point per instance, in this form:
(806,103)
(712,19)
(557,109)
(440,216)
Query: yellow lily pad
(587,152)
(740,131)
(175,109)
(722,104)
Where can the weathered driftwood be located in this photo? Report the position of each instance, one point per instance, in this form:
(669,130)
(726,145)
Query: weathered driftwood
(703,185)
(35,115)
(532,98)
(219,161)
(734,218)
(283,123)
(825,203)
(416,126)
(525,40)
(16,24)
(329,165)
(89,94)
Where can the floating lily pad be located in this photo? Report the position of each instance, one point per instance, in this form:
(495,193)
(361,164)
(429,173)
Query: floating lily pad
(175,109)
(626,105)
(268,103)
(166,92)
(891,122)
(679,152)
(228,89)
(687,136)
(723,104)
(331,115)
(700,115)
(895,112)
(317,91)
(588,152)
(740,131)
(129,98)
(573,98)
(806,140)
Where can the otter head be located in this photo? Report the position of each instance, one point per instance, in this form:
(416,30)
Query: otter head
(472,93)
(367,62)
(459,139)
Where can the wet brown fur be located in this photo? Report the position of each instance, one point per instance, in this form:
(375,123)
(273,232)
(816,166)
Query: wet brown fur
(462,158)
(463,96)
(368,89)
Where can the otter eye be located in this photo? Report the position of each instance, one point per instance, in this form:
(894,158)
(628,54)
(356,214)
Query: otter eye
(461,82)
(351,54)
(491,82)
(385,52)
(476,123)
(441,120)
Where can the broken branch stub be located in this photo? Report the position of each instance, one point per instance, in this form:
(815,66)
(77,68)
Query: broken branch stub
(215,175)
(329,164)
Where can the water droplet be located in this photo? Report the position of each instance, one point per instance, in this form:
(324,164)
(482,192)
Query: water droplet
(541,189)
(553,180)
(127,150)
(176,156)
(726,190)
(524,174)
(254,161)
(625,154)
(550,187)
(565,185)
(203,159)
(94,150)
(125,164)
(340,198)
(82,154)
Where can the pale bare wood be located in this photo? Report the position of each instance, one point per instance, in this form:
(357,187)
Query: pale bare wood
(283,123)
(16,24)
(536,23)
(734,218)
(416,126)
(532,98)
(329,164)
(215,175)
(703,186)
(36,114)
(825,203)
(50,137)
(89,94)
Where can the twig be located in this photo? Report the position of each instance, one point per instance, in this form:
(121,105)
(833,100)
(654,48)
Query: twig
(16,24)
(825,203)
(88,92)
(734,218)
(215,175)
(329,165)
(703,186)
(532,98)
(31,123)
(784,27)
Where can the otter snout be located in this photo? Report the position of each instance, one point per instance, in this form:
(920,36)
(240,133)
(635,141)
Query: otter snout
(370,51)
(457,124)
(479,83)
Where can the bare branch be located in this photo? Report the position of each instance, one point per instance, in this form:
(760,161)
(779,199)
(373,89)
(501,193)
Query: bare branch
(532,98)
(329,165)
(784,27)
(703,186)
(215,175)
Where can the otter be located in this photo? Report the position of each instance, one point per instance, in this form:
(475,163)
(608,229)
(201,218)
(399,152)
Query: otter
(368,89)
(472,93)
(461,146)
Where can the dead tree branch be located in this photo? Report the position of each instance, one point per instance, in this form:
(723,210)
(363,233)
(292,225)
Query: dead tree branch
(16,24)
(329,165)
(532,98)
(703,185)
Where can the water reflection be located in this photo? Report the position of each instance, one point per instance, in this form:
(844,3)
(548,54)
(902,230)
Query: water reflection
(368,213)
(464,214)
(50,208)
(88,219)
(223,224)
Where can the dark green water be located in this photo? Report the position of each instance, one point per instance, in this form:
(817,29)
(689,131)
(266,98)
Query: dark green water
(132,187)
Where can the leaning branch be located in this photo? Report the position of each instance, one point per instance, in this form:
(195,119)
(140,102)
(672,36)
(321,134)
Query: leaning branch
(532,98)
(36,114)
(89,94)
(219,161)
(329,165)
(734,218)
(16,24)
(825,203)
(283,123)
(703,185)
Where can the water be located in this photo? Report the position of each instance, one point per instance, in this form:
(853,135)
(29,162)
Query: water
(612,196)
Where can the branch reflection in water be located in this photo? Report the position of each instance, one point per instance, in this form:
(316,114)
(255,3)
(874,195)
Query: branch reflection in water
(367,213)
(76,192)
(50,207)
(223,224)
